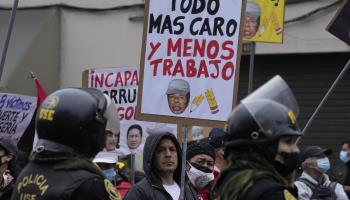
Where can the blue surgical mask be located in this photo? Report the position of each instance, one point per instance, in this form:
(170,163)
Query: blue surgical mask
(110,174)
(323,165)
(343,156)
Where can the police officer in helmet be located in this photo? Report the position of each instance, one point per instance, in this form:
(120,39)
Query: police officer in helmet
(261,150)
(70,124)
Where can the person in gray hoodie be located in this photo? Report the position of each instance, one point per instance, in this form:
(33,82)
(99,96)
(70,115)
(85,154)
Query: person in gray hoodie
(162,167)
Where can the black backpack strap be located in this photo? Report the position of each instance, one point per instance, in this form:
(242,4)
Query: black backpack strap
(332,187)
(308,183)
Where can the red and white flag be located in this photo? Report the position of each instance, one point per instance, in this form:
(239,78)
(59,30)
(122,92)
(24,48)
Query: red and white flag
(41,95)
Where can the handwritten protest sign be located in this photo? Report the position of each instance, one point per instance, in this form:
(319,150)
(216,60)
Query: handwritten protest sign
(190,60)
(16,112)
(121,84)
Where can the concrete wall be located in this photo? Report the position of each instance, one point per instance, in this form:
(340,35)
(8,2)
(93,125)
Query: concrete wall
(100,39)
(91,38)
(34,46)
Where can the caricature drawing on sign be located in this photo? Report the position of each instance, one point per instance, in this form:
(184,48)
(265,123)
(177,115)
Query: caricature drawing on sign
(252,20)
(212,101)
(178,94)
(196,102)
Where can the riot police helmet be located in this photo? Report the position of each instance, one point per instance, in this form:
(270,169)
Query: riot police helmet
(270,122)
(74,119)
(267,114)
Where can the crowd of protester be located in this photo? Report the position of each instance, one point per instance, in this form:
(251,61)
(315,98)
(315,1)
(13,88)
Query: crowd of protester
(244,161)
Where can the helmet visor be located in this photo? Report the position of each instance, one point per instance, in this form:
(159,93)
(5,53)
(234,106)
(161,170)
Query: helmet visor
(274,100)
(276,89)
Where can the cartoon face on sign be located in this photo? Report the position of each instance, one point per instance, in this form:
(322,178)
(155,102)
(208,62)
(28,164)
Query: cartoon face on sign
(178,94)
(252,19)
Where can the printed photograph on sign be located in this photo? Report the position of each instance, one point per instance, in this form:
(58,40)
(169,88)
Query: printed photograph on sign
(264,21)
(191,59)
(16,112)
(121,84)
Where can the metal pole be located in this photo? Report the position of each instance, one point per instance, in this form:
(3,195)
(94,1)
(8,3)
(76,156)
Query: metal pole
(132,163)
(330,90)
(251,67)
(8,37)
(183,163)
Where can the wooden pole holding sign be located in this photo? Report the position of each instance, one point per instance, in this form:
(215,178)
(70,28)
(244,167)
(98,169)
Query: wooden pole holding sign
(190,63)
(251,67)
(183,161)
(8,36)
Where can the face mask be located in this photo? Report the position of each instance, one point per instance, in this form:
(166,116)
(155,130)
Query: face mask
(343,156)
(290,163)
(323,165)
(199,178)
(110,174)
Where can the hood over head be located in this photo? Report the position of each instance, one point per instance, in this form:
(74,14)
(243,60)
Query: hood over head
(151,144)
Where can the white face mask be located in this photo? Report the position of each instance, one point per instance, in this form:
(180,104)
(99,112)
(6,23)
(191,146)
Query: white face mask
(199,178)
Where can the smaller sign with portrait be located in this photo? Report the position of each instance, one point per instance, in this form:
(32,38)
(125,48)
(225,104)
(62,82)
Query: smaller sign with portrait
(121,85)
(264,21)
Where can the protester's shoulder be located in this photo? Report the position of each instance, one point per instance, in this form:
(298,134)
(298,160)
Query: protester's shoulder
(141,189)
(190,192)
(267,189)
(340,192)
(96,188)
(268,183)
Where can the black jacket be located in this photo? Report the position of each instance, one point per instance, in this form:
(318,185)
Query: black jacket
(347,177)
(151,186)
(5,193)
(62,177)
(251,177)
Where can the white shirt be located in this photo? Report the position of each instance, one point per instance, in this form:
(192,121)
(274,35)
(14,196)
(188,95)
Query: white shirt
(173,190)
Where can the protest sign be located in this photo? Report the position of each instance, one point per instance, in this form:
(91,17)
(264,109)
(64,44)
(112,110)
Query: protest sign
(264,21)
(121,84)
(16,112)
(190,61)
(340,24)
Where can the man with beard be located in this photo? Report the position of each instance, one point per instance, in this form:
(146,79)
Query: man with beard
(161,164)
